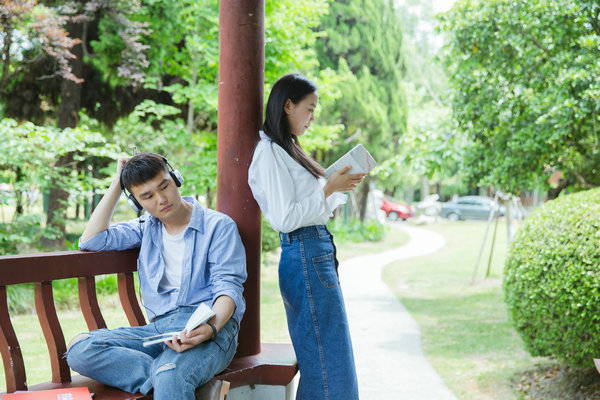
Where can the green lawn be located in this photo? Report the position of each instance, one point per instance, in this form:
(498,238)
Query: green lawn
(465,328)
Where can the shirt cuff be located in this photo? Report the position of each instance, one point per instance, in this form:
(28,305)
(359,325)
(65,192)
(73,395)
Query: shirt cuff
(238,300)
(334,201)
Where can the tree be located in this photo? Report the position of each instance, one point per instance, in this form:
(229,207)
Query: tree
(431,149)
(525,90)
(141,73)
(363,41)
(28,163)
(54,91)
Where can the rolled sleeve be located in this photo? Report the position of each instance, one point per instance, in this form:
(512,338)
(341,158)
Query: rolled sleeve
(121,236)
(227,262)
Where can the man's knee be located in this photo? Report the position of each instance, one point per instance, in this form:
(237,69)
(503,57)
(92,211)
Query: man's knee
(78,338)
(165,367)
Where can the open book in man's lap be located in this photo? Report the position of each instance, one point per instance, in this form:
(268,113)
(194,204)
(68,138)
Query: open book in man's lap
(202,314)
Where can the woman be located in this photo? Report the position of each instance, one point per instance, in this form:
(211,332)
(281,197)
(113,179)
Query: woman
(291,191)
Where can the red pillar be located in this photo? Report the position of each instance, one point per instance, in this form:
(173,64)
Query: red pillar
(241,81)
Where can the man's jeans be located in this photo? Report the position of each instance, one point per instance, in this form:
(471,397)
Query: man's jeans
(117,357)
(316,315)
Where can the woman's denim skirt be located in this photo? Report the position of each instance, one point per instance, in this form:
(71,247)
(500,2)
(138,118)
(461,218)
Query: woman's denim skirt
(316,315)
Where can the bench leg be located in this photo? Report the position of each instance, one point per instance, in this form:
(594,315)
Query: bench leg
(290,389)
(224,390)
(213,390)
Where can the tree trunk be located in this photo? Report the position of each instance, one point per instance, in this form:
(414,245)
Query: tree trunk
(425,188)
(7,39)
(68,117)
(210,198)
(509,225)
(363,198)
(18,195)
(554,192)
(190,116)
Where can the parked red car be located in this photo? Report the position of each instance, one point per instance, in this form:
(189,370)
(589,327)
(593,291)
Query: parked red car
(395,211)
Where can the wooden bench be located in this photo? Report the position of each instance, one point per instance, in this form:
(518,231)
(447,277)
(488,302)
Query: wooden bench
(274,365)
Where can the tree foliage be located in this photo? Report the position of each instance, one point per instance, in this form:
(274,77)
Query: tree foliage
(362,42)
(42,28)
(525,90)
(430,152)
(28,165)
(144,73)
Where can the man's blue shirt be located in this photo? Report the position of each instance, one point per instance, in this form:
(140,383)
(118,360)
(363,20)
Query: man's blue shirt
(214,261)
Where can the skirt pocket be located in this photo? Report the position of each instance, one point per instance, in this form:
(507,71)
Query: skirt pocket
(325,268)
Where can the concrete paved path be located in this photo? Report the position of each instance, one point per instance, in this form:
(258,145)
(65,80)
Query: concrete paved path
(386,339)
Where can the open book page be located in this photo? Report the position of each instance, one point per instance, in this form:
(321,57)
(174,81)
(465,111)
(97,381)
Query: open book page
(358,158)
(202,314)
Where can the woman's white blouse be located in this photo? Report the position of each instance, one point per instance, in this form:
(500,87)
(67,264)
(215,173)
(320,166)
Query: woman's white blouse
(289,196)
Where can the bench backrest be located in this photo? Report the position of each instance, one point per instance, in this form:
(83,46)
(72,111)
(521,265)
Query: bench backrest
(43,268)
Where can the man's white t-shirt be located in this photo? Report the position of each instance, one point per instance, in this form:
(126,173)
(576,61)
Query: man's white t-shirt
(173,251)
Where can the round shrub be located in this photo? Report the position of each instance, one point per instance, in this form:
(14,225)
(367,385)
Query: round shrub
(552,279)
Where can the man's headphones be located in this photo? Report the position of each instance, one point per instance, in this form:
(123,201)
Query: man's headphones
(132,201)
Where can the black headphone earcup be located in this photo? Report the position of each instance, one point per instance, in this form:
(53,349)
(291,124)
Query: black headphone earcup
(133,203)
(177,177)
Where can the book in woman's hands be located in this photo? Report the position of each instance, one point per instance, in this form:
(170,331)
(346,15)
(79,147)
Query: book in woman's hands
(202,314)
(358,158)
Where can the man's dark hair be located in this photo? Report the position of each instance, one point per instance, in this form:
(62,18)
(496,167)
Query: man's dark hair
(142,168)
(294,87)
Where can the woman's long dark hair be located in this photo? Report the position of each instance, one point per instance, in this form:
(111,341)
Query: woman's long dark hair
(294,87)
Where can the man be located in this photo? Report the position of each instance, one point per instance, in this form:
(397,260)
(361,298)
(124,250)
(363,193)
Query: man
(188,255)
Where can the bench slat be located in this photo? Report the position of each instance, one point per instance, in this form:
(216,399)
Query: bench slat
(55,339)
(14,367)
(89,303)
(28,268)
(129,302)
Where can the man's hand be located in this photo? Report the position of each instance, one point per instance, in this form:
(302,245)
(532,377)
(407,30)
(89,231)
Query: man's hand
(120,162)
(223,308)
(199,335)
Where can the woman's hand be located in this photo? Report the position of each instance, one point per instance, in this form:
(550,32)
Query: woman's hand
(340,181)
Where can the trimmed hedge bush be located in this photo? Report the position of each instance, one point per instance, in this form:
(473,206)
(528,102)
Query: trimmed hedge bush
(355,230)
(552,279)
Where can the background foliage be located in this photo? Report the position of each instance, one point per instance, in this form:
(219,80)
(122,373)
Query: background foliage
(525,90)
(85,81)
